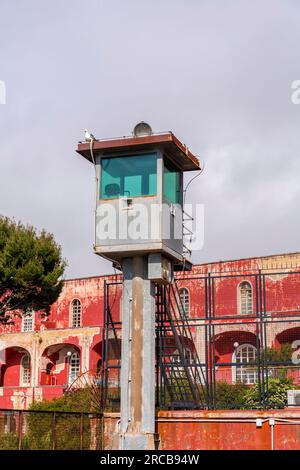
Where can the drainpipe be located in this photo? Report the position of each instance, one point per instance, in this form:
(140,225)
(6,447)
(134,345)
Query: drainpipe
(272,425)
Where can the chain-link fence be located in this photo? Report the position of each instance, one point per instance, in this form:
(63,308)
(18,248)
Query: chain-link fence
(50,430)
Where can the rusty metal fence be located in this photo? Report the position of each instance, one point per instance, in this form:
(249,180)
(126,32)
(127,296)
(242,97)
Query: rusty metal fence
(246,329)
(50,430)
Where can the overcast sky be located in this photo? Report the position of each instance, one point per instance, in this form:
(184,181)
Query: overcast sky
(216,73)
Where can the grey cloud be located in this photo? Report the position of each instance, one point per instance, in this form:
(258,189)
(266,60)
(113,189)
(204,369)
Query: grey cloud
(217,73)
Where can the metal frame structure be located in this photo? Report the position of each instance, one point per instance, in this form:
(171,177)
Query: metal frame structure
(192,383)
(111,327)
(51,430)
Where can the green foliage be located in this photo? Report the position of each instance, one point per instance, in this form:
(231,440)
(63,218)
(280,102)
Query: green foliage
(79,401)
(280,358)
(230,396)
(241,396)
(65,429)
(61,431)
(9,441)
(31,267)
(276,397)
(66,423)
(279,355)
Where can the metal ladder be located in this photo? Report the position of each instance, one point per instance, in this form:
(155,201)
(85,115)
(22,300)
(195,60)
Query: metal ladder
(181,376)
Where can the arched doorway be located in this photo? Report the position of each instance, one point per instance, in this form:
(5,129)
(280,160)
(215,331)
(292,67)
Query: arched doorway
(16,370)
(60,365)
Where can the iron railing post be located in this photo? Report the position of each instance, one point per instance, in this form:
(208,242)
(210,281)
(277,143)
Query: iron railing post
(20,423)
(53,430)
(81,431)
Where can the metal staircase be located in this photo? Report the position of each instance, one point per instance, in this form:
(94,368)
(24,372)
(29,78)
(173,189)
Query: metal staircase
(180,372)
(111,330)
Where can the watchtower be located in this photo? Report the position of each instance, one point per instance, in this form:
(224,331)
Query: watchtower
(139,227)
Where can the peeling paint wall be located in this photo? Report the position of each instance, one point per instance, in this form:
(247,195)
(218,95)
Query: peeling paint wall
(228,430)
(54,337)
(218,430)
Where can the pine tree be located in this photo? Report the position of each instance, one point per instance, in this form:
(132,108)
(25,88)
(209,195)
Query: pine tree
(31,269)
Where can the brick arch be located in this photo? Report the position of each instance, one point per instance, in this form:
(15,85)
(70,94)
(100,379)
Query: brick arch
(54,363)
(11,365)
(114,359)
(287,336)
(225,342)
(95,355)
(113,350)
(19,345)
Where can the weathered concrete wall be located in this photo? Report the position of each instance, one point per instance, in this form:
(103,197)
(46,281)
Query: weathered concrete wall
(229,430)
(219,430)
(44,347)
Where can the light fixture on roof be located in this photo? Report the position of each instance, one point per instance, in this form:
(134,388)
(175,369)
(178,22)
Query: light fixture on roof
(142,129)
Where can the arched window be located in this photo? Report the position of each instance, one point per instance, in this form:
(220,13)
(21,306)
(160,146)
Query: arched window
(27,322)
(244,355)
(25,371)
(76,313)
(184,296)
(245,298)
(74,367)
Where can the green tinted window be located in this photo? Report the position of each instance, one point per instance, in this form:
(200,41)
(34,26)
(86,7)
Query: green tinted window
(172,182)
(128,176)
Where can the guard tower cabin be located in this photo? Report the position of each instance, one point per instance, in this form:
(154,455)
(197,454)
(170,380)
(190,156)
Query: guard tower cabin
(139,226)
(140,186)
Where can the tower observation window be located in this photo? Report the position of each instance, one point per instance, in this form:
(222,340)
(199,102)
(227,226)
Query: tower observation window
(172,182)
(129,176)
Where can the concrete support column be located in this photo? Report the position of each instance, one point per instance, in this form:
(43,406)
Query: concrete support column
(34,361)
(85,354)
(138,356)
(200,341)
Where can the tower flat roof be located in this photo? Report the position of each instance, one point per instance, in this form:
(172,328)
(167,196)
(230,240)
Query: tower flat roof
(175,149)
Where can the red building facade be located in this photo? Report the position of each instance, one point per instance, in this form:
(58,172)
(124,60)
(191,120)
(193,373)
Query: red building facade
(40,358)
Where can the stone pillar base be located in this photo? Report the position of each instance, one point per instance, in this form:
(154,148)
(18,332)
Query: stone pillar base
(136,441)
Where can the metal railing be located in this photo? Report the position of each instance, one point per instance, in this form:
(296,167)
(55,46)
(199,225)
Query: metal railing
(181,375)
(236,359)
